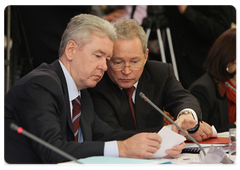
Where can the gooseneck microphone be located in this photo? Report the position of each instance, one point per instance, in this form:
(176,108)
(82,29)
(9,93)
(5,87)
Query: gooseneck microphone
(231,87)
(35,138)
(160,111)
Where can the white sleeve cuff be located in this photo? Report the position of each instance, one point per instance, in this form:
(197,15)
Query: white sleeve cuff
(111,149)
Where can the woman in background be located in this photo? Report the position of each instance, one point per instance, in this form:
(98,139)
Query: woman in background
(216,89)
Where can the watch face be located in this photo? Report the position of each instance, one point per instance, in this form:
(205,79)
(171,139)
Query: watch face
(187,112)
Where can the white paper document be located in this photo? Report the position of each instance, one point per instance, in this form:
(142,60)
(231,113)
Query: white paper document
(169,139)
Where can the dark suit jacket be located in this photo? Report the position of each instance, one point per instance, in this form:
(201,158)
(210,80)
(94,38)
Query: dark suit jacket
(39,103)
(158,83)
(214,107)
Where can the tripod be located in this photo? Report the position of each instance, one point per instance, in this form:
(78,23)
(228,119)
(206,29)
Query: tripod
(17,54)
(157,20)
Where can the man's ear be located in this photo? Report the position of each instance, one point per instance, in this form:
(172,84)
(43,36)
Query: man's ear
(146,55)
(70,49)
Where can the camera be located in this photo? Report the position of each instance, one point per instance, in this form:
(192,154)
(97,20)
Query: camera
(155,18)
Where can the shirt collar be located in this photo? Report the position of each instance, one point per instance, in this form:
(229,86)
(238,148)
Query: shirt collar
(135,85)
(134,92)
(71,86)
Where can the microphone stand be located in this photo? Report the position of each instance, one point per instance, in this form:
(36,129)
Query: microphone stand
(160,111)
(44,143)
(231,87)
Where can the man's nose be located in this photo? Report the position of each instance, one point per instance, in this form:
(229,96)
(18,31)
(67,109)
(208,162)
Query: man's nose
(105,66)
(127,70)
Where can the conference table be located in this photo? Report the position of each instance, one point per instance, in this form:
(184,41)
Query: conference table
(220,142)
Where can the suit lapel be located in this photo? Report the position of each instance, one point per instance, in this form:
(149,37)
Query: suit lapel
(142,108)
(121,101)
(86,114)
(56,66)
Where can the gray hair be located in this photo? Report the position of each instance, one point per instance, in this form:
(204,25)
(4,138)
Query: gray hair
(129,29)
(81,27)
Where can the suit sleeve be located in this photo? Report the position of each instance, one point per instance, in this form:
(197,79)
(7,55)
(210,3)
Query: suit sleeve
(202,94)
(176,98)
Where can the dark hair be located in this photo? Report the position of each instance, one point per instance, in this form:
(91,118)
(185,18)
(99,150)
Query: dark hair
(221,54)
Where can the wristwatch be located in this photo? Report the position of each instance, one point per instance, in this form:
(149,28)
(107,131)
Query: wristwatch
(195,129)
(185,112)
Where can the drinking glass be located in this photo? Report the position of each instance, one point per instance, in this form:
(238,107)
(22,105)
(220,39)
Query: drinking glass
(232,144)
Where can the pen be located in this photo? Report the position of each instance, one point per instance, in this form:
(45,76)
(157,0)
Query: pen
(186,159)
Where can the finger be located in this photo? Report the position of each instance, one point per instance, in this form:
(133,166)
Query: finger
(207,130)
(208,134)
(154,137)
(178,123)
(154,144)
(179,147)
(188,124)
(173,153)
(203,136)
(148,155)
(175,129)
(198,138)
(151,149)
(183,134)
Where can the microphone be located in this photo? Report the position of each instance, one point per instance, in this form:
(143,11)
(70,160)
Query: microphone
(160,111)
(231,87)
(35,138)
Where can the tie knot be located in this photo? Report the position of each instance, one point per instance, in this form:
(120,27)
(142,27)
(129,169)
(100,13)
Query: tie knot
(76,102)
(129,91)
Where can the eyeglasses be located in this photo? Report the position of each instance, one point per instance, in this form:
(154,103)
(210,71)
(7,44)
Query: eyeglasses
(119,66)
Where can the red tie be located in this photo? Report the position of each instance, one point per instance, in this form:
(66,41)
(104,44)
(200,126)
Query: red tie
(76,113)
(129,93)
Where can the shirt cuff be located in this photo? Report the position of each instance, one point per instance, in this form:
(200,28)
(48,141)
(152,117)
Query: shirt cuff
(111,149)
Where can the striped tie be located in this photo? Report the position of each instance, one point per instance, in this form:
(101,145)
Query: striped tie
(76,113)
